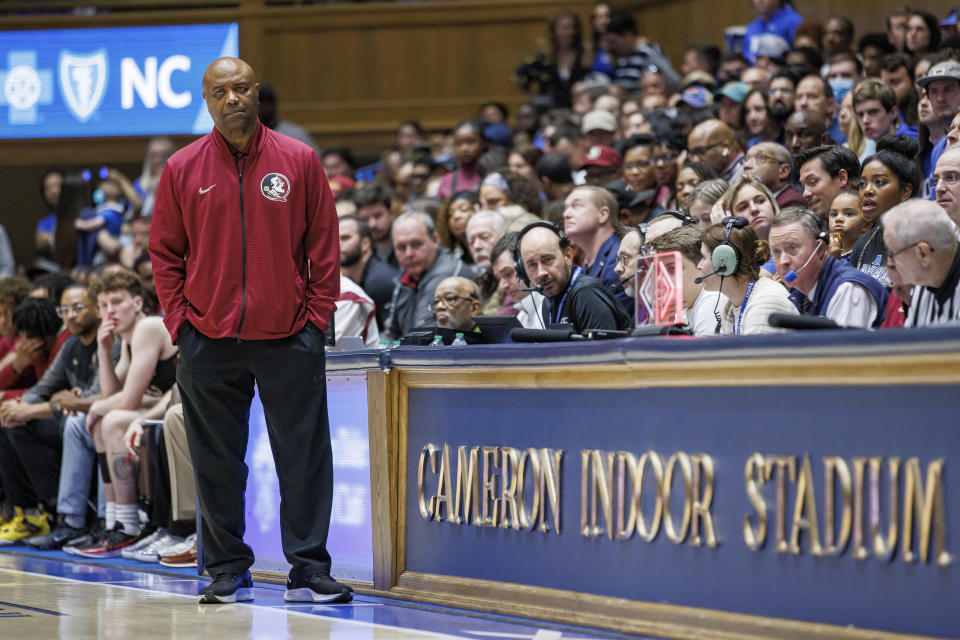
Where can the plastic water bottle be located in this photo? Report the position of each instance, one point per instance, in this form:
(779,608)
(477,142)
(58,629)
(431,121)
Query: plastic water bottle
(458,341)
(384,344)
(437,341)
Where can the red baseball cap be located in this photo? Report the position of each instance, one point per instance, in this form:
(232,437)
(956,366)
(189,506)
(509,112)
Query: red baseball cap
(602,156)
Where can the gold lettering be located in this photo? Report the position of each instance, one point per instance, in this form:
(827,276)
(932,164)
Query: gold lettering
(585,493)
(528,519)
(927,504)
(786,469)
(489,457)
(428,452)
(468,487)
(884,549)
(805,502)
(834,468)
(601,490)
(702,467)
(444,488)
(509,461)
(551,463)
(755,537)
(681,458)
(859,547)
(653,460)
(626,506)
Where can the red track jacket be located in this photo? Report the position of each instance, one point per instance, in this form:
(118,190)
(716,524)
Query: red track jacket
(245,245)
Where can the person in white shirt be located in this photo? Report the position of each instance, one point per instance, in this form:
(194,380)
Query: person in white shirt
(729,261)
(824,286)
(922,248)
(356,314)
(702,306)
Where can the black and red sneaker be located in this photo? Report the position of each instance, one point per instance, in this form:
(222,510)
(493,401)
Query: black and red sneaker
(113,543)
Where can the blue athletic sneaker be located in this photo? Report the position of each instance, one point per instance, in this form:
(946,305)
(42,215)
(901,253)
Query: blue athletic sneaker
(227,588)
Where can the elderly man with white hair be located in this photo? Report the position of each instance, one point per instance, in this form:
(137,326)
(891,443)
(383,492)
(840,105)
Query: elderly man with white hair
(484,229)
(922,248)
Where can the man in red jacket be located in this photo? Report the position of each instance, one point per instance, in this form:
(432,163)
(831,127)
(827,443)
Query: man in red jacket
(245,257)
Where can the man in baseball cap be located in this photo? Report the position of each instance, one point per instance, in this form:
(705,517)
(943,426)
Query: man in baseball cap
(600,127)
(602,164)
(942,84)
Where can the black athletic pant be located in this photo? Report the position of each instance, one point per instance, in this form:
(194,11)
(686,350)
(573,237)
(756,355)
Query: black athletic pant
(216,379)
(30,462)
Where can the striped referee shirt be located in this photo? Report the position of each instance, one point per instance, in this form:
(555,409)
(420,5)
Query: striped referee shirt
(937,305)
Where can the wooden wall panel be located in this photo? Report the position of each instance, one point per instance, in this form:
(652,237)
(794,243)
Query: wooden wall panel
(350,73)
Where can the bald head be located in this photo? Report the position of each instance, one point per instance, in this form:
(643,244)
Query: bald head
(713,143)
(231,92)
(456,301)
(804,130)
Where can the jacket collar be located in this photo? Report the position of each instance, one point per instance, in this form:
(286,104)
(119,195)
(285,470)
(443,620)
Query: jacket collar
(253,147)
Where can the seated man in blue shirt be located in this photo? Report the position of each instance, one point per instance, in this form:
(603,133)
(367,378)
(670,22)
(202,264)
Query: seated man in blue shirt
(590,217)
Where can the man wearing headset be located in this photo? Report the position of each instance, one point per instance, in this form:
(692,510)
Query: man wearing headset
(827,287)
(544,261)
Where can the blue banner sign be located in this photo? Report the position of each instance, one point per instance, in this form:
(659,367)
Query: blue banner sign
(70,83)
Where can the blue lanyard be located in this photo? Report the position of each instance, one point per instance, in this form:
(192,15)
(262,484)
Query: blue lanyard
(743,307)
(555,317)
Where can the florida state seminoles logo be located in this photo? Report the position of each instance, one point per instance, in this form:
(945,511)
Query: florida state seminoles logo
(275,186)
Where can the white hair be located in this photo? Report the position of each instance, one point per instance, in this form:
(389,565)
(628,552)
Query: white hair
(499,222)
(919,220)
(420,217)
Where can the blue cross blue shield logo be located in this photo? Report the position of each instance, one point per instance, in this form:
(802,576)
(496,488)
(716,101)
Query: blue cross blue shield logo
(83,81)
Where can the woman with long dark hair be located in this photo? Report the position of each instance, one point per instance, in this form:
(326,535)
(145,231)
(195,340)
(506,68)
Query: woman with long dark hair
(551,73)
(889,177)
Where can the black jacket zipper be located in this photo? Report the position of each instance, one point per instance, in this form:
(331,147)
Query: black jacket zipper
(243,241)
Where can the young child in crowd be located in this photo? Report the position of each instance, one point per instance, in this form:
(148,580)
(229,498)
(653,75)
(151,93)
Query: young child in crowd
(846,223)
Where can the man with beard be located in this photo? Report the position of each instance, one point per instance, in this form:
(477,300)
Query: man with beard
(544,259)
(897,71)
(359,263)
(373,204)
(781,94)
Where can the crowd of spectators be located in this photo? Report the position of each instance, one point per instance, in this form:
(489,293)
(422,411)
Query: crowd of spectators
(805,171)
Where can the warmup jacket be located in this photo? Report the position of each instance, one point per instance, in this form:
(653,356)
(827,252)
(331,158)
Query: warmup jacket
(245,245)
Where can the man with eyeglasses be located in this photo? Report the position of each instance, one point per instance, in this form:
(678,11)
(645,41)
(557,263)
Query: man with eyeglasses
(772,164)
(33,432)
(922,248)
(455,302)
(714,143)
(946,182)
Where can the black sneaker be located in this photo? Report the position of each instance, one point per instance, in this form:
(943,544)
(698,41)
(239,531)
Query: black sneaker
(319,587)
(227,588)
(94,537)
(56,539)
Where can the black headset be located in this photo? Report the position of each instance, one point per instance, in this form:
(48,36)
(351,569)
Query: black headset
(518,259)
(725,258)
(684,218)
(822,235)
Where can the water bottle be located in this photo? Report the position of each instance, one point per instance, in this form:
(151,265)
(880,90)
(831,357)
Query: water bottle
(458,341)
(384,344)
(437,341)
